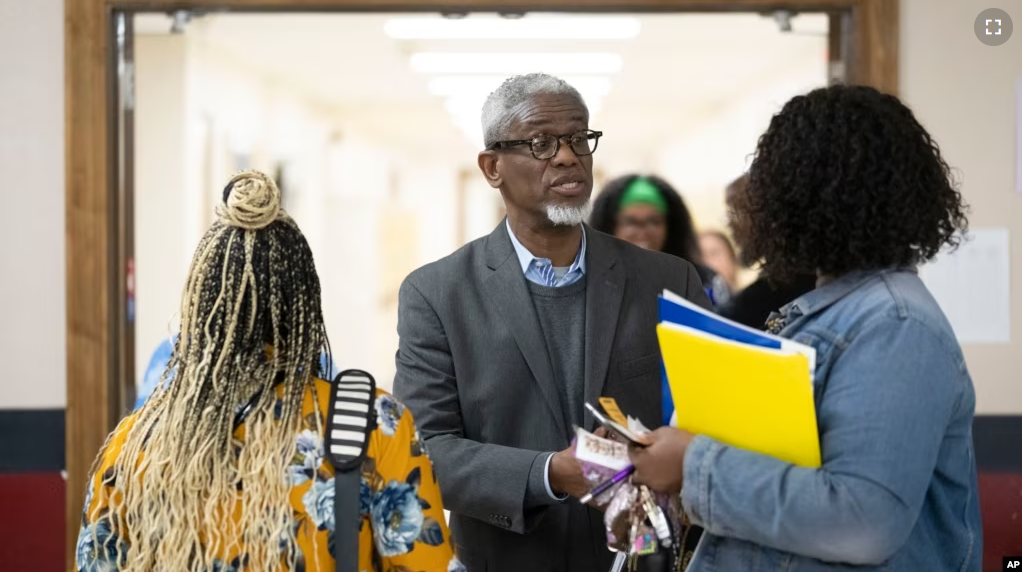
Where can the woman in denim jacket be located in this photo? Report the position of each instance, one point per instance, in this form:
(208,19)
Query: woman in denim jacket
(847,184)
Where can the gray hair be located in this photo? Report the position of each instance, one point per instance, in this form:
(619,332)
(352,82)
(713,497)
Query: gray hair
(513,92)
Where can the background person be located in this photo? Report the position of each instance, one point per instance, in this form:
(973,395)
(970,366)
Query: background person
(847,183)
(753,305)
(193,483)
(648,212)
(719,254)
(502,342)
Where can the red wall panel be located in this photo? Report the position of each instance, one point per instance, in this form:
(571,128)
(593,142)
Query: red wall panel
(1000,500)
(31,522)
(32,517)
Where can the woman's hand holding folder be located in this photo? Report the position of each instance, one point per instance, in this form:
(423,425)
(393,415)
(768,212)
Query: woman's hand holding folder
(661,465)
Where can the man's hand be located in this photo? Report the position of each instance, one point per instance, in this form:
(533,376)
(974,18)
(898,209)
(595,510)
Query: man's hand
(566,474)
(661,465)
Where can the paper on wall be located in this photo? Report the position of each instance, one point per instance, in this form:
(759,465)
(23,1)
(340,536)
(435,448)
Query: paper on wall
(973,286)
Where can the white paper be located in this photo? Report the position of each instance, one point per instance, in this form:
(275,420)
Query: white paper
(636,426)
(603,452)
(973,286)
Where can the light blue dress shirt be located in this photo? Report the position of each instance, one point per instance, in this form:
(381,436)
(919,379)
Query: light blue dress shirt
(542,271)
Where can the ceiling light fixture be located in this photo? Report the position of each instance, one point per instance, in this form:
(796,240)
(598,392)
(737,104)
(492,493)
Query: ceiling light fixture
(512,63)
(783,19)
(526,28)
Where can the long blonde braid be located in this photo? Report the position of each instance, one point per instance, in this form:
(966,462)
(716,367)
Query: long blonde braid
(181,480)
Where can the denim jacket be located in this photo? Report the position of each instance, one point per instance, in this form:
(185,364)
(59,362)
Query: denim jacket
(897,488)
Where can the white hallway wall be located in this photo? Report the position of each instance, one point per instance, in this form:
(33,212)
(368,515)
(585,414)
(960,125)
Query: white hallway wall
(162,239)
(961,90)
(371,209)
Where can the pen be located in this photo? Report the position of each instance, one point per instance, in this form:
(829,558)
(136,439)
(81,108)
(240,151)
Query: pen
(604,486)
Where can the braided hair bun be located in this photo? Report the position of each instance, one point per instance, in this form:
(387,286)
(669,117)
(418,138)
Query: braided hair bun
(251,201)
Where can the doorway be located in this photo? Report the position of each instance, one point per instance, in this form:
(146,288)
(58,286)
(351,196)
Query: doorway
(100,193)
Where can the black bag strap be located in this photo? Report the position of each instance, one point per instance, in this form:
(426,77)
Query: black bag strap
(351,419)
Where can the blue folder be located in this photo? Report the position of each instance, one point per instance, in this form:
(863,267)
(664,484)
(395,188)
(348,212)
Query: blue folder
(675,313)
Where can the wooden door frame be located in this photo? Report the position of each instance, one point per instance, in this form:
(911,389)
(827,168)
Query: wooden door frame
(90,153)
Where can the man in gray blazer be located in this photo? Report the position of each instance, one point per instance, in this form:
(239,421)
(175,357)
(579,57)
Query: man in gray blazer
(502,342)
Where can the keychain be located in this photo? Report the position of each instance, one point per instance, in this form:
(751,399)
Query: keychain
(656,517)
(633,533)
(645,544)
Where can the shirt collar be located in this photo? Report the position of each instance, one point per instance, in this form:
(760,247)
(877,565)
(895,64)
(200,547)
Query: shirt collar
(525,258)
(817,300)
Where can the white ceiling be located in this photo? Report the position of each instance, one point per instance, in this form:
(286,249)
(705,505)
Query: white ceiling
(683,65)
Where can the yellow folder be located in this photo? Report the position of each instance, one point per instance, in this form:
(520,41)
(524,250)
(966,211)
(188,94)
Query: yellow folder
(754,398)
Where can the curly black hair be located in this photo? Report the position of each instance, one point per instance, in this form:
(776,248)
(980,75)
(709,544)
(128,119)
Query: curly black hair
(681,236)
(845,178)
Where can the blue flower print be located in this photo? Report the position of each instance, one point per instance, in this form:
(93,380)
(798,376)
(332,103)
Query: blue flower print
(221,566)
(365,497)
(308,457)
(99,549)
(319,504)
(456,565)
(397,519)
(87,504)
(365,501)
(388,414)
(309,443)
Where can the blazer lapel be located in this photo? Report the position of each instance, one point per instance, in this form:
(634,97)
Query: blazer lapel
(509,295)
(604,292)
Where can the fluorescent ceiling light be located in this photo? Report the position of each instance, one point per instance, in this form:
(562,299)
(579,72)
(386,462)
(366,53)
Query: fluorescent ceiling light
(510,63)
(528,28)
(486,84)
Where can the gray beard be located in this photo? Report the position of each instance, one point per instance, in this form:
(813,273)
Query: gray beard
(561,215)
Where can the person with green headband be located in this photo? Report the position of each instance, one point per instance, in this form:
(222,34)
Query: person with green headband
(642,192)
(648,212)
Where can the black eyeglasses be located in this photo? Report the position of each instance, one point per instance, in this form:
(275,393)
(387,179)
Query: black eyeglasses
(544,147)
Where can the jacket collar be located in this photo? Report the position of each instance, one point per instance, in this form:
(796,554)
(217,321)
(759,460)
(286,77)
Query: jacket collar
(817,300)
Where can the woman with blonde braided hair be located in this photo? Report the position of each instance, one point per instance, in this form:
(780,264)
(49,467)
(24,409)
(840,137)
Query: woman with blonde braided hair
(224,469)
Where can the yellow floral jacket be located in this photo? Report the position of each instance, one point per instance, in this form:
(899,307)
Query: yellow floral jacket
(403,526)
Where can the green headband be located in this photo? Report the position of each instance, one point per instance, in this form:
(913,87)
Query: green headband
(642,191)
